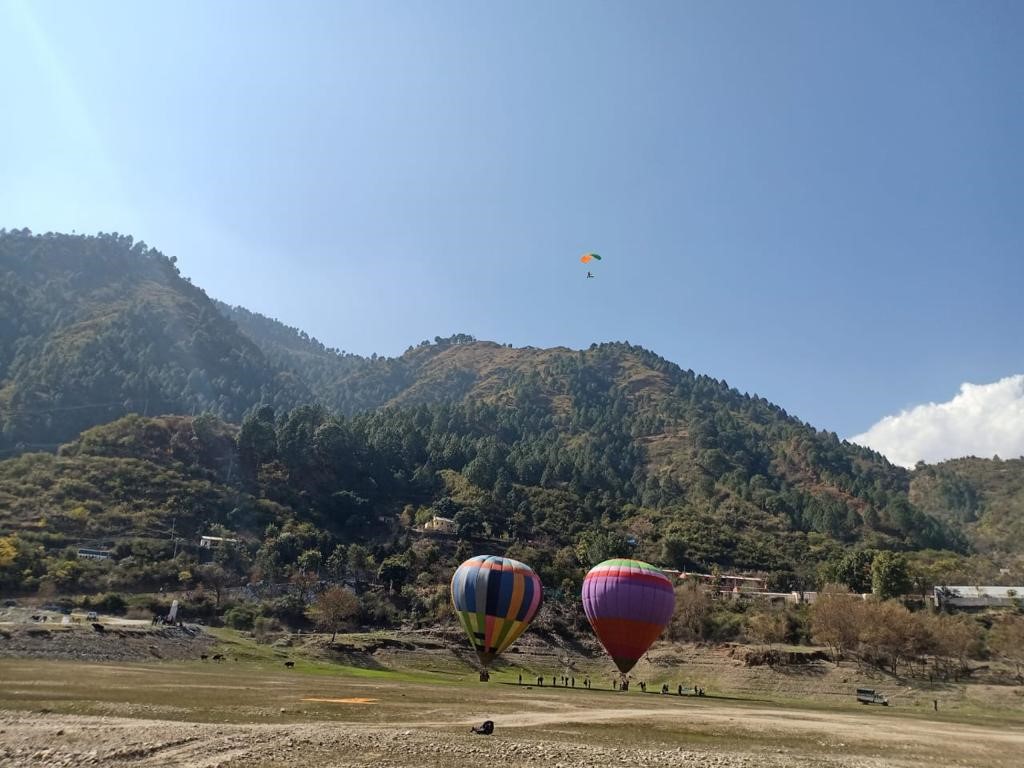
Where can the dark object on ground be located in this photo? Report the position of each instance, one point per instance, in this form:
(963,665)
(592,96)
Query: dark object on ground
(484,729)
(204,657)
(218,657)
(98,627)
(290,664)
(485,676)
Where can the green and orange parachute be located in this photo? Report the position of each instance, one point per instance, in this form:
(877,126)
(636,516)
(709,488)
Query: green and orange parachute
(586,258)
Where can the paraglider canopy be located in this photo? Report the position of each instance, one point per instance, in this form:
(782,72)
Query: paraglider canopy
(586,258)
(495,598)
(628,603)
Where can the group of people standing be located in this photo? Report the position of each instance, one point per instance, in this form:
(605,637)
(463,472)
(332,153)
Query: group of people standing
(618,684)
(681,690)
(566,681)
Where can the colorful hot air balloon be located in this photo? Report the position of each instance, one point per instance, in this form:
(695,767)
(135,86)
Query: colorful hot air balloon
(496,598)
(628,603)
(586,258)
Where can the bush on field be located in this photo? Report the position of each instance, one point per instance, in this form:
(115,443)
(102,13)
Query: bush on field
(240,617)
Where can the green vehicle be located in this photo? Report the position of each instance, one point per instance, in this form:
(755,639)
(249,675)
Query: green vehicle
(868,696)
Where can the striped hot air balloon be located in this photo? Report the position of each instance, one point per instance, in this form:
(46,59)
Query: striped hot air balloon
(628,603)
(495,598)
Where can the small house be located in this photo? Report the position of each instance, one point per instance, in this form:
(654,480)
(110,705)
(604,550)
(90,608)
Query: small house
(438,524)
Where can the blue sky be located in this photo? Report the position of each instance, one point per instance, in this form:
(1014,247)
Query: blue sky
(818,202)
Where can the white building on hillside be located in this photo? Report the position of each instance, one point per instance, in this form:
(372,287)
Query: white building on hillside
(214,542)
(978,597)
(438,524)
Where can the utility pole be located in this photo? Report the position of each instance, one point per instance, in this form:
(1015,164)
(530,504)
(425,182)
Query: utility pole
(173,521)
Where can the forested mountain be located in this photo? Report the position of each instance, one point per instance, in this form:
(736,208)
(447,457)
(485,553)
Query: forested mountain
(662,434)
(560,455)
(983,497)
(95,327)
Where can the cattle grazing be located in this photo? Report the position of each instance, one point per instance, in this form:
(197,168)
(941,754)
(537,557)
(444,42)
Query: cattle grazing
(218,657)
(203,657)
(290,664)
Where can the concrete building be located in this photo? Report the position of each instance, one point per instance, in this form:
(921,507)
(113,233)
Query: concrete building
(214,542)
(89,553)
(965,597)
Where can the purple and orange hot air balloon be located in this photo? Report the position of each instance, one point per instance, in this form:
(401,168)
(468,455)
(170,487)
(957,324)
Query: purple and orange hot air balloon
(628,603)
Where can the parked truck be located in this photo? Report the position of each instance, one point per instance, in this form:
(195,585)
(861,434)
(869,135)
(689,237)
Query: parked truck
(869,696)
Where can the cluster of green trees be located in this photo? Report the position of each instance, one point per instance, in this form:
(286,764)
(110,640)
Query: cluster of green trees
(309,492)
(983,497)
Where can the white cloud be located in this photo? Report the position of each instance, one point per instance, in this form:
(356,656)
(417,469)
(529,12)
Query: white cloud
(982,420)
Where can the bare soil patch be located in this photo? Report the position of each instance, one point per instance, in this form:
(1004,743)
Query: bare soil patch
(56,713)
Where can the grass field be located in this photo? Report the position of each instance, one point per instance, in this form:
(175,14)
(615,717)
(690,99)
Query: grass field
(254,712)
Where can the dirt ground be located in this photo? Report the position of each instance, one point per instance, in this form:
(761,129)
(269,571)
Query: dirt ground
(255,713)
(117,642)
